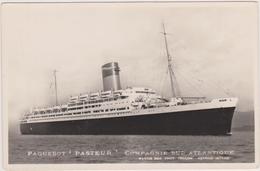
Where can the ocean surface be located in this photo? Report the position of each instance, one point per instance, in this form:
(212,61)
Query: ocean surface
(131,149)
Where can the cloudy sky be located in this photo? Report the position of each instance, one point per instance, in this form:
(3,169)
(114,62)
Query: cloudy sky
(213,45)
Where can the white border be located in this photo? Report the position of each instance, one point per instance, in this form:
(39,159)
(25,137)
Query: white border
(139,166)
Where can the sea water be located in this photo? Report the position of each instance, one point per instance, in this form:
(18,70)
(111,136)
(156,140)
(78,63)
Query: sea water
(131,148)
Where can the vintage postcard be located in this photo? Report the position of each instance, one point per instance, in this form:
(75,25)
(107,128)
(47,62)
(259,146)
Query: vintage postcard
(130,85)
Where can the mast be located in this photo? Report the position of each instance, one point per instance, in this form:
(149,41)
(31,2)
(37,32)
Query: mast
(55,82)
(169,60)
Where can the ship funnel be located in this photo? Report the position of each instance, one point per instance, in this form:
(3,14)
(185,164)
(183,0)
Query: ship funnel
(111,78)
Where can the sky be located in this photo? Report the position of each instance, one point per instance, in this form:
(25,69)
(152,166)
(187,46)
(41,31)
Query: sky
(213,47)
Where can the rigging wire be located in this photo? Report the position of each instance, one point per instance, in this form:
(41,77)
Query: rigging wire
(187,81)
(173,79)
(162,83)
(211,84)
(176,88)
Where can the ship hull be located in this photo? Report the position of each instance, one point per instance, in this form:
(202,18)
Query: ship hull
(200,122)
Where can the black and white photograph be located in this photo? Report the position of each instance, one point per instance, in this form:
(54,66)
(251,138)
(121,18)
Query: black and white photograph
(130,83)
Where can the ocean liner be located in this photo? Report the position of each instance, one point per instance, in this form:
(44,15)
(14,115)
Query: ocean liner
(132,111)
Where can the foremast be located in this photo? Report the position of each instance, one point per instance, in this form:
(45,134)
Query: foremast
(173,80)
(56,89)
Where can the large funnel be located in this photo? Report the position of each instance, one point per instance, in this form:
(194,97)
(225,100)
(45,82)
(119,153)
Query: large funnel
(111,78)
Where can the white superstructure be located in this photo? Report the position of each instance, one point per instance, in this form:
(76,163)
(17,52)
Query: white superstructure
(127,102)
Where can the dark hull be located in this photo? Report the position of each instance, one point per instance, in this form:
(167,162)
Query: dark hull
(200,122)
